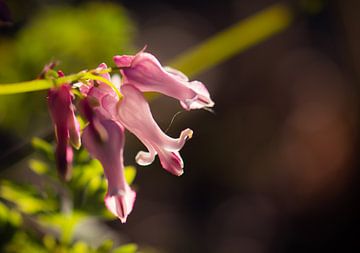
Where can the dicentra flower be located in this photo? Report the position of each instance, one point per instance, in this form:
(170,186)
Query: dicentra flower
(145,72)
(67,129)
(108,114)
(119,198)
(134,113)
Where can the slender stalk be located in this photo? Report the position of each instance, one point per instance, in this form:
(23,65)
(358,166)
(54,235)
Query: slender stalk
(215,50)
(234,40)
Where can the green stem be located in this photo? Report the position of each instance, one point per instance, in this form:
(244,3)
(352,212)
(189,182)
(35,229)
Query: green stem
(215,50)
(104,80)
(36,85)
(235,39)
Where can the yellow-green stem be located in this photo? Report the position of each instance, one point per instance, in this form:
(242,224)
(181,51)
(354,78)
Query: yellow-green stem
(215,50)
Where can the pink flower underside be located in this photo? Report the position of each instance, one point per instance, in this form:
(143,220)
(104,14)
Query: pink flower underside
(145,72)
(120,197)
(134,113)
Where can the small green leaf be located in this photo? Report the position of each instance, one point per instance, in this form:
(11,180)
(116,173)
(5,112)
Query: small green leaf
(106,246)
(94,184)
(130,174)
(49,242)
(42,145)
(24,199)
(66,223)
(15,218)
(80,247)
(38,166)
(127,248)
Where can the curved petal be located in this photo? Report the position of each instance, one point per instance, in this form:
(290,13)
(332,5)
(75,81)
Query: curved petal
(145,72)
(105,95)
(67,128)
(121,203)
(120,197)
(134,113)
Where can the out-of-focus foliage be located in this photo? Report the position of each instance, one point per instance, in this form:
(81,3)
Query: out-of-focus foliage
(79,38)
(44,217)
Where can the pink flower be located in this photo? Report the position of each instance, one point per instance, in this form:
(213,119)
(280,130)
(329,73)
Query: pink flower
(67,128)
(145,72)
(119,198)
(134,113)
(102,94)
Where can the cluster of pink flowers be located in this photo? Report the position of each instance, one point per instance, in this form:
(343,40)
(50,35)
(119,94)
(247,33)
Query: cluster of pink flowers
(109,114)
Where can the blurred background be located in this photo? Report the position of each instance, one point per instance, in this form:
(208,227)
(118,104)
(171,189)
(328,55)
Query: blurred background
(275,168)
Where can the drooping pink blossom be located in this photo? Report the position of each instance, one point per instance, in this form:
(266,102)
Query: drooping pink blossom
(102,94)
(145,72)
(134,113)
(119,198)
(67,128)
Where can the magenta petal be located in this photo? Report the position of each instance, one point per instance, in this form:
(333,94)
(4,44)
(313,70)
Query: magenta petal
(66,126)
(146,74)
(123,60)
(120,197)
(63,154)
(134,113)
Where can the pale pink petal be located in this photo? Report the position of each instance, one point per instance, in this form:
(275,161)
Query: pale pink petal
(124,61)
(121,203)
(134,113)
(104,95)
(146,74)
(176,72)
(120,197)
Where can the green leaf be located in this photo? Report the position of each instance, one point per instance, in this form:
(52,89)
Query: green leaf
(127,248)
(43,146)
(80,247)
(106,246)
(38,166)
(130,174)
(49,242)
(66,223)
(25,198)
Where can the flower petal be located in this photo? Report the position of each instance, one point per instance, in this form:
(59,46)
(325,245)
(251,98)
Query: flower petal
(120,197)
(146,74)
(134,113)
(67,128)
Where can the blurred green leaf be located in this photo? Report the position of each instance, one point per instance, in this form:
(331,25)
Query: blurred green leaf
(49,242)
(25,198)
(64,222)
(75,36)
(80,247)
(130,174)
(106,246)
(42,146)
(128,248)
(38,166)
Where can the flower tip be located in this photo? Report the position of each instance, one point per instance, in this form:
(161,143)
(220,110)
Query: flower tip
(185,135)
(189,133)
(121,204)
(102,66)
(179,173)
(76,144)
(123,60)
